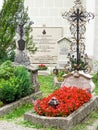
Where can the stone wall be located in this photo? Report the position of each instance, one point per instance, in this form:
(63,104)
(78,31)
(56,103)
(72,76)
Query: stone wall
(7,108)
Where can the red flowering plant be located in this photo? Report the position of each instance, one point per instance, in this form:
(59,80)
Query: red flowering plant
(42,67)
(62,102)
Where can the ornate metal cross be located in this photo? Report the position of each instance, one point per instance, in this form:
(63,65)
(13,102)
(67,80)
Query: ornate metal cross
(78,17)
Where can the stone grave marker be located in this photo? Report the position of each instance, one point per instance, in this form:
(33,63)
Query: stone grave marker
(64,45)
(45,39)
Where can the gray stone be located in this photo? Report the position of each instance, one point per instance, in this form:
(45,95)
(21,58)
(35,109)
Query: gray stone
(6,109)
(46,39)
(79,79)
(21,57)
(64,123)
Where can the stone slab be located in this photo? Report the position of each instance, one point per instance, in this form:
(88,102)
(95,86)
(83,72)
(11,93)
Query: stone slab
(64,123)
(45,39)
(28,99)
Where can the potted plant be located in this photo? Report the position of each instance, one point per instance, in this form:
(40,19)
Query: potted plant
(42,67)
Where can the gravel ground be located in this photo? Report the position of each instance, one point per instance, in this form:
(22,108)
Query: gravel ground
(5,125)
(93,126)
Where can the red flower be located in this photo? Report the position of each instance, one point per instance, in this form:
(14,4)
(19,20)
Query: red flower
(69,100)
(42,67)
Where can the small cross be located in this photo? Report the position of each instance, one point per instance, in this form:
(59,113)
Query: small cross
(77,16)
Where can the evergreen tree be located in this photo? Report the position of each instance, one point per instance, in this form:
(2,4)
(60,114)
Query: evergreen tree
(7,25)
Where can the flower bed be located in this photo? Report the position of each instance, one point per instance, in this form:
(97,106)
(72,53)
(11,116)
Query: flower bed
(42,67)
(64,123)
(62,102)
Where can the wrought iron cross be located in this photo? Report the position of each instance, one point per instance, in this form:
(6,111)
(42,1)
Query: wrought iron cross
(78,17)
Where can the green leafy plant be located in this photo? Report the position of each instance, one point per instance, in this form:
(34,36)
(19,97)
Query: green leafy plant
(7,91)
(23,81)
(7,26)
(80,66)
(15,82)
(60,75)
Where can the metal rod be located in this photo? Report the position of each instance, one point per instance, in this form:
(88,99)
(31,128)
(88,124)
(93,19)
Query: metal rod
(77,41)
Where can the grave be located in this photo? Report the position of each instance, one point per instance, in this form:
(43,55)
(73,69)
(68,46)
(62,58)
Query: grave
(80,80)
(21,55)
(64,45)
(45,39)
(77,17)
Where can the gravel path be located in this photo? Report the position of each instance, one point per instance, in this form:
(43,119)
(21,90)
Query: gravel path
(93,126)
(5,125)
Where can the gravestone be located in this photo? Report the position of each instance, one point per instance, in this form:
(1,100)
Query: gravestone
(79,79)
(64,45)
(21,56)
(45,39)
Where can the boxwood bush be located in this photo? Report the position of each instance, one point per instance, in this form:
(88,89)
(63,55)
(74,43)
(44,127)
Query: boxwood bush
(15,82)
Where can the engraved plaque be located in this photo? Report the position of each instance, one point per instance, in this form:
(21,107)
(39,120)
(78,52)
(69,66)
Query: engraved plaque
(45,39)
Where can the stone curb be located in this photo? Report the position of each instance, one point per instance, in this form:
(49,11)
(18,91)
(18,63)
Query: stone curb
(7,108)
(64,123)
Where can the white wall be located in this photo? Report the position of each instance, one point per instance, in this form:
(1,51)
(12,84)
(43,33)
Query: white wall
(90,28)
(96,32)
(1,3)
(49,12)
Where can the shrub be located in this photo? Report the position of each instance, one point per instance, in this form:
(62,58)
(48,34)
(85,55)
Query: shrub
(24,81)
(6,70)
(15,82)
(7,91)
(67,101)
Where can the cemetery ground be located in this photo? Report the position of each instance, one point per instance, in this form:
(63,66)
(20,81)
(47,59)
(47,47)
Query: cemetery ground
(15,117)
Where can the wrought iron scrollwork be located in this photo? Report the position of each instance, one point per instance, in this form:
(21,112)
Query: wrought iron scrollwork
(78,16)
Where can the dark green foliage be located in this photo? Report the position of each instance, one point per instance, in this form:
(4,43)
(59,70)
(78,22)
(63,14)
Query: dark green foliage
(15,82)
(7,25)
(6,70)
(80,66)
(7,91)
(11,55)
(24,83)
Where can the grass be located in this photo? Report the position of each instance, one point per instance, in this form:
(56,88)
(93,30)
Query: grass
(47,87)
(46,84)
(96,89)
(18,112)
(88,121)
(97,127)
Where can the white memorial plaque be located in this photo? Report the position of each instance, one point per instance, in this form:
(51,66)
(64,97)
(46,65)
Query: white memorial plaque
(45,39)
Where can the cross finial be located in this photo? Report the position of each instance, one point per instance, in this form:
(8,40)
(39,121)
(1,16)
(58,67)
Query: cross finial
(78,17)
(77,1)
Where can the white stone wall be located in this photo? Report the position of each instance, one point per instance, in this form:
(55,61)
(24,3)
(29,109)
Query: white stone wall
(96,32)
(48,12)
